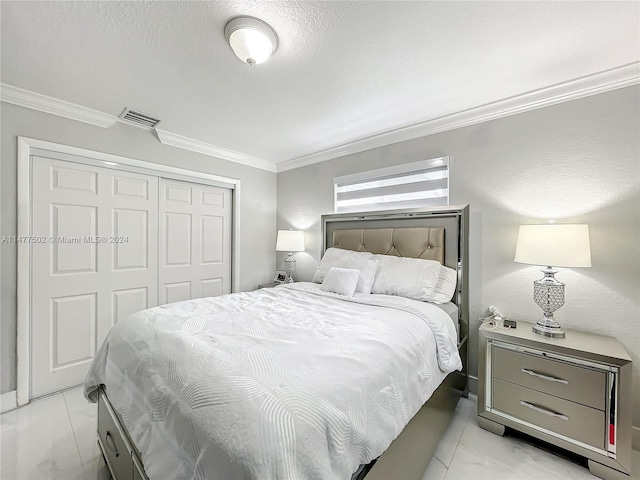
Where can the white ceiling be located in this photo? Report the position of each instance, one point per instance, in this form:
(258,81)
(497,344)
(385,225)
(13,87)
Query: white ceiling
(343,71)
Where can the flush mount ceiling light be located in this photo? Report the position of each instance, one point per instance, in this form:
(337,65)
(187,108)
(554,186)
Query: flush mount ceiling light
(252,40)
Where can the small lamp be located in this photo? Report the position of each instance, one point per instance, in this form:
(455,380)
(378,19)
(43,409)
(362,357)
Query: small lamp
(557,245)
(290,241)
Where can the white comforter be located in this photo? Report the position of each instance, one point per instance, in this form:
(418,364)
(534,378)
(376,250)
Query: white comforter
(283,383)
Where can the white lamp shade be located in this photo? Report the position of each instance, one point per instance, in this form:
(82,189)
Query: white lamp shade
(290,241)
(554,245)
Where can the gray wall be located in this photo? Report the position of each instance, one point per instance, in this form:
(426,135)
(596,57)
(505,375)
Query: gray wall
(573,162)
(257,208)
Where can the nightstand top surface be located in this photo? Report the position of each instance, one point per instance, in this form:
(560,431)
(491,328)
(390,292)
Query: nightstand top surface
(575,340)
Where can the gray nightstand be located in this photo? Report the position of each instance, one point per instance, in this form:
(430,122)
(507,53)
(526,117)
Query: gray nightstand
(573,392)
(268,285)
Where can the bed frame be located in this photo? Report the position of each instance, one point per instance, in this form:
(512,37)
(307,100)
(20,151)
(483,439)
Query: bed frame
(441,234)
(438,233)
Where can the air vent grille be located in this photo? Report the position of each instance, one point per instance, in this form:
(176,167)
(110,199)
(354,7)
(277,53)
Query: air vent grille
(139,119)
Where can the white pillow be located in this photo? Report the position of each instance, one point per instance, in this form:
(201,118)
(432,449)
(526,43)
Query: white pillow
(366,268)
(364,262)
(331,256)
(446,286)
(406,277)
(341,280)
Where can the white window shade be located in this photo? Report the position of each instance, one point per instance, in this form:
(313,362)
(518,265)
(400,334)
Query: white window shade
(419,184)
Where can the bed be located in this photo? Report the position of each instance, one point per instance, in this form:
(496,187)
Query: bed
(294,381)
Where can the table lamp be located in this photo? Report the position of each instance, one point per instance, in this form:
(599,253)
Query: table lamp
(553,245)
(290,241)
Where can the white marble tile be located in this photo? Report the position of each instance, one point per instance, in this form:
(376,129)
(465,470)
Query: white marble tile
(37,441)
(469,403)
(96,469)
(77,404)
(436,470)
(444,452)
(85,432)
(514,453)
(84,421)
(466,465)
(55,438)
(459,420)
(635,465)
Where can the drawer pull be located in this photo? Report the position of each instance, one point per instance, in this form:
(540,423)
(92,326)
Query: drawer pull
(108,440)
(544,377)
(544,410)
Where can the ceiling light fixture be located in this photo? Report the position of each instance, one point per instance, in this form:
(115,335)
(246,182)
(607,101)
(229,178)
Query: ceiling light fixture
(252,40)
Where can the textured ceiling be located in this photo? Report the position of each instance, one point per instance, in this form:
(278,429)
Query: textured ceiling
(343,71)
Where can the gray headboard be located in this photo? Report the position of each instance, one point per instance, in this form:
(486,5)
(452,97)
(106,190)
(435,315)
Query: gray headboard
(438,233)
(412,242)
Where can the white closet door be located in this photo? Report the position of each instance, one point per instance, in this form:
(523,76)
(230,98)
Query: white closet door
(195,241)
(101,267)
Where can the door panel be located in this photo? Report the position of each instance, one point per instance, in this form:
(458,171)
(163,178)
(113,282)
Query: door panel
(179,192)
(98,265)
(212,240)
(73,330)
(126,302)
(177,292)
(130,242)
(70,225)
(195,241)
(213,287)
(213,199)
(117,242)
(132,187)
(69,178)
(177,237)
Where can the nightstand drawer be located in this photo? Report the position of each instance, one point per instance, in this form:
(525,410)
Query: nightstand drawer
(584,424)
(571,382)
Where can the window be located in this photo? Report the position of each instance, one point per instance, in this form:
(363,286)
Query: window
(419,184)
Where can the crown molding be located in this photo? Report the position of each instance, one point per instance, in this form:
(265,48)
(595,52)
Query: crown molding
(601,82)
(73,111)
(55,106)
(186,143)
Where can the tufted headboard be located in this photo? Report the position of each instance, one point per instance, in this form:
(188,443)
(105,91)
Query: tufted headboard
(438,233)
(417,242)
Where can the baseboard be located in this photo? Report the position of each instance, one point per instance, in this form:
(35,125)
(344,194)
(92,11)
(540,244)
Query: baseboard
(473,384)
(8,401)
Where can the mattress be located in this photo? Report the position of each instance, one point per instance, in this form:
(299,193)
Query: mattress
(289,382)
(451,309)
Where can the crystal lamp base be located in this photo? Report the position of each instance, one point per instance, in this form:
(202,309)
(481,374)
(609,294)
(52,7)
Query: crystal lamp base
(548,293)
(548,327)
(290,267)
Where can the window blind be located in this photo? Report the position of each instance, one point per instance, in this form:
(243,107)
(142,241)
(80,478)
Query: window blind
(419,184)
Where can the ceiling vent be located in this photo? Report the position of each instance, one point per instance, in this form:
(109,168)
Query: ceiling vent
(139,119)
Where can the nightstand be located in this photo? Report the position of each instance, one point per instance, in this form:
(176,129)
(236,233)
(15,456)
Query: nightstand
(573,392)
(268,285)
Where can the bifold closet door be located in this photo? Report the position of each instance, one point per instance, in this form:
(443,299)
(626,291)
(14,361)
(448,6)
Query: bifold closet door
(96,263)
(195,241)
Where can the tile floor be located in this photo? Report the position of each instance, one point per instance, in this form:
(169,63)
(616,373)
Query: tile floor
(54,438)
